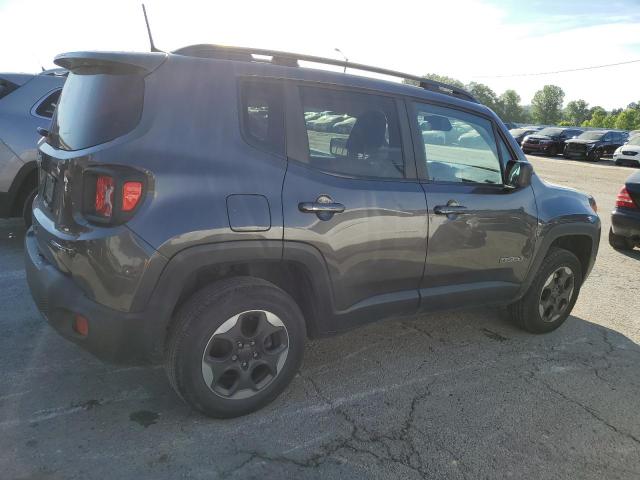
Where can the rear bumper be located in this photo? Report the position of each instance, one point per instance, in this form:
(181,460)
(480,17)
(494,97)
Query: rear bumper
(114,336)
(626,223)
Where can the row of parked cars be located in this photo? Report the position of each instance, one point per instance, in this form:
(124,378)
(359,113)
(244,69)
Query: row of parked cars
(580,144)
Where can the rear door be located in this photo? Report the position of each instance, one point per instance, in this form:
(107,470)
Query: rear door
(481,234)
(351,194)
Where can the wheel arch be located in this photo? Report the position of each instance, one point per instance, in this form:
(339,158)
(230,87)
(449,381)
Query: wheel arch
(25,180)
(582,238)
(303,276)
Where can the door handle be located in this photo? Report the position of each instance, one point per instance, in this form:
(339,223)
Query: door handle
(316,207)
(324,207)
(451,208)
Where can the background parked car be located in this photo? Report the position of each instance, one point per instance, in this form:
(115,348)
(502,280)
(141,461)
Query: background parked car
(344,126)
(26,103)
(519,133)
(625,218)
(549,140)
(325,122)
(629,153)
(594,144)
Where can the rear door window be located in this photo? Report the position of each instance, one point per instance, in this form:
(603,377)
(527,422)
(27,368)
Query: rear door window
(352,133)
(97,107)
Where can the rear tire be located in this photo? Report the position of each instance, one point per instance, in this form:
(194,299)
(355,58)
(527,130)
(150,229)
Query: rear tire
(209,361)
(619,242)
(551,295)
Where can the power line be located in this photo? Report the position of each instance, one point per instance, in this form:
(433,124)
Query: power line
(557,71)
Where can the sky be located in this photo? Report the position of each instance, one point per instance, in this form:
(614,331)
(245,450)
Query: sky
(487,41)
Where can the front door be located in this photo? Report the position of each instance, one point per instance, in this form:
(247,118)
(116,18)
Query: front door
(481,234)
(350,193)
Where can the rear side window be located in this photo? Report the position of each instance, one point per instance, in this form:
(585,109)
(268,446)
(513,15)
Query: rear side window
(351,133)
(48,105)
(97,107)
(6,87)
(262,115)
(458,146)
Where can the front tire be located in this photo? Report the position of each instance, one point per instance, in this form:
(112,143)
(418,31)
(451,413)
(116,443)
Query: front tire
(551,295)
(235,346)
(619,242)
(594,156)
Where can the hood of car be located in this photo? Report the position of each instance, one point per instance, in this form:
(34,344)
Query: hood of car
(539,137)
(582,141)
(630,148)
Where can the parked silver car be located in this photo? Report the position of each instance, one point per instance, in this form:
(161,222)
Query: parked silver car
(26,103)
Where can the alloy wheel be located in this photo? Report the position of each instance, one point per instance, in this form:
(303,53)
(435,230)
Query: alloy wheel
(245,354)
(556,294)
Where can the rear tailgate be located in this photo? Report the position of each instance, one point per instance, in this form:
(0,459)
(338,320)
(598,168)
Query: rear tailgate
(101,103)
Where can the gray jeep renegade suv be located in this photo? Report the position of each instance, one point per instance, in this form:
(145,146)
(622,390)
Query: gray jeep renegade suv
(211,208)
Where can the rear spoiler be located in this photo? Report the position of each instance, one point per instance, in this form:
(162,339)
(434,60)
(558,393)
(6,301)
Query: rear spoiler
(142,62)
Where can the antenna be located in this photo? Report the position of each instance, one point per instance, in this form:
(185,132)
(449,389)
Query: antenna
(346,60)
(146,20)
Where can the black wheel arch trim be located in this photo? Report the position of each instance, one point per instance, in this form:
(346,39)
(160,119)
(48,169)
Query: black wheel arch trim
(160,301)
(587,226)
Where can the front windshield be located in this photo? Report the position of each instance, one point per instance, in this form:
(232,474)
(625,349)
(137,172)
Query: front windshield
(591,136)
(550,131)
(519,131)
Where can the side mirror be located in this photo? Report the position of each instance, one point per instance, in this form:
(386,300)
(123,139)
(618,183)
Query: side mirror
(519,175)
(43,132)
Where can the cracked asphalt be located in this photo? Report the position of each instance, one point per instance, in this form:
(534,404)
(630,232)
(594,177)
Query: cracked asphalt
(455,395)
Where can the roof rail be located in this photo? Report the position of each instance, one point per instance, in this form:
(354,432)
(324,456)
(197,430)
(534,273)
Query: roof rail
(291,60)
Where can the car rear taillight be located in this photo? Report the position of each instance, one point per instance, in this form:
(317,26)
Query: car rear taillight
(131,193)
(105,187)
(113,193)
(624,200)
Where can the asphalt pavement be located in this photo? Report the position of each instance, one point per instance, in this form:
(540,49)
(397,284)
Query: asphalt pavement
(455,395)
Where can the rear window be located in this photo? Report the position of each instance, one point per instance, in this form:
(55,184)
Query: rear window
(96,107)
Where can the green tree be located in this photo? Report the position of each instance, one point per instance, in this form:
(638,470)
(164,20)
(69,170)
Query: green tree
(485,95)
(628,119)
(597,120)
(576,112)
(610,120)
(546,106)
(509,107)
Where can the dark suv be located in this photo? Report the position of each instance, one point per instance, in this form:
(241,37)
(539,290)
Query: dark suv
(549,140)
(187,215)
(595,144)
